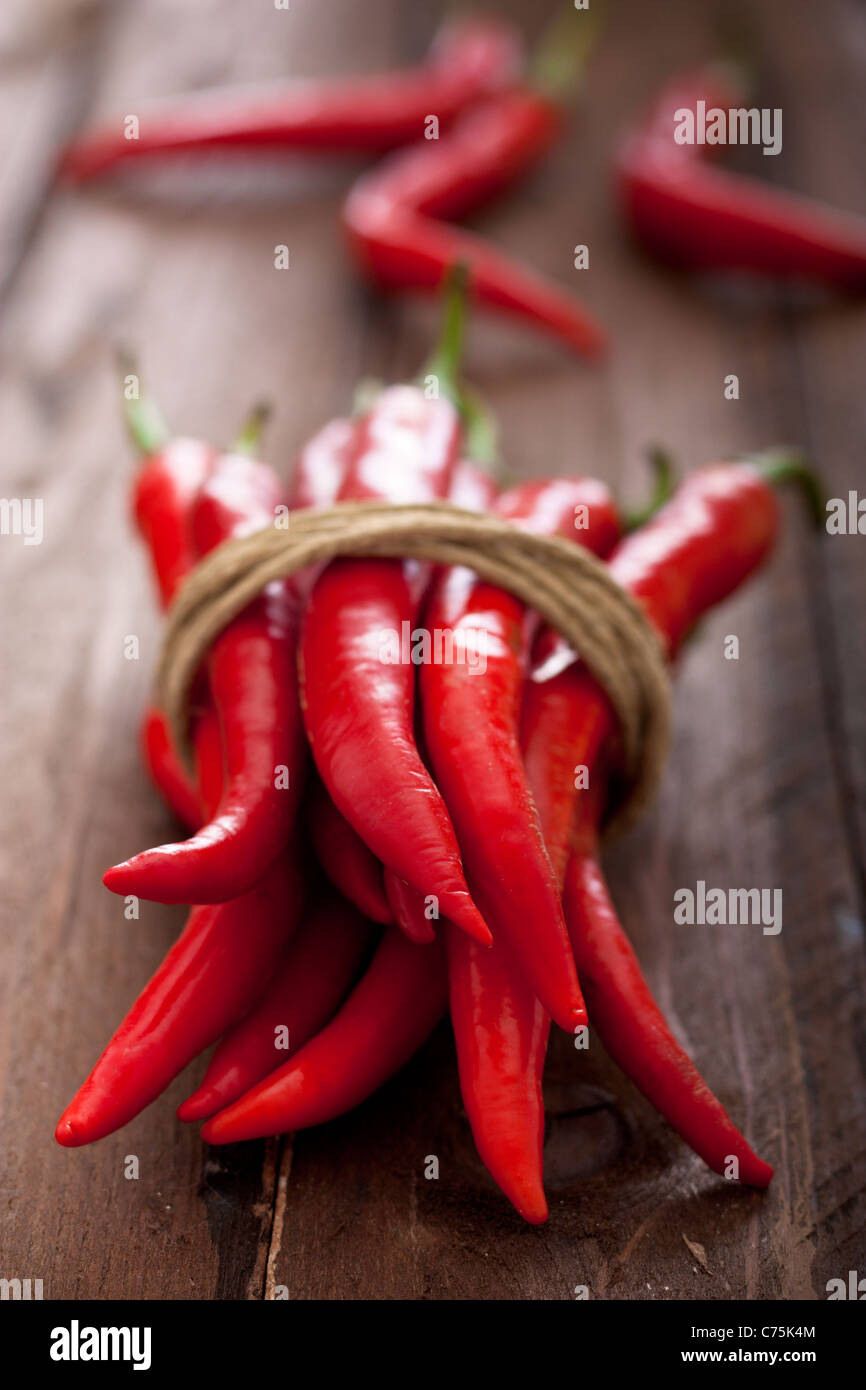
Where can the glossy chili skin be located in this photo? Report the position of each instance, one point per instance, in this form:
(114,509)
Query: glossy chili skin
(210,978)
(410,909)
(691,214)
(630,1023)
(391,216)
(471,711)
(311,981)
(320,467)
(226,953)
(501,1033)
(348,863)
(715,532)
(165,488)
(500,1027)
(253,685)
(167,772)
(389,1014)
(474,489)
(245,494)
(469,58)
(358,703)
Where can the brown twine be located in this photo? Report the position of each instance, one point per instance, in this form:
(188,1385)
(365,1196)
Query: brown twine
(567,585)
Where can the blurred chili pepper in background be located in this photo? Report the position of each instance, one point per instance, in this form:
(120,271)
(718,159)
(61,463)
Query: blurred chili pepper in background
(469,58)
(392,215)
(702,218)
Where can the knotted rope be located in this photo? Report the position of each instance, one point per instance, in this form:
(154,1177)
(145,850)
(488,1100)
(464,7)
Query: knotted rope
(568,586)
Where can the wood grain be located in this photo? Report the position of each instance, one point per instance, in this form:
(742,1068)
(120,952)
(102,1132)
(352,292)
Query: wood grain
(766,784)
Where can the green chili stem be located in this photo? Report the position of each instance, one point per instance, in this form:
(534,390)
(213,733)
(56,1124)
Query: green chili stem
(559,61)
(144,419)
(444,363)
(790,465)
(664,474)
(250,437)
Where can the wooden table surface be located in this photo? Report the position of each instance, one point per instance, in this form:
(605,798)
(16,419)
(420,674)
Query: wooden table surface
(766,785)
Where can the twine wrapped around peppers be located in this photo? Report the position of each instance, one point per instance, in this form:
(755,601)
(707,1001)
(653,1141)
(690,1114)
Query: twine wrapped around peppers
(566,584)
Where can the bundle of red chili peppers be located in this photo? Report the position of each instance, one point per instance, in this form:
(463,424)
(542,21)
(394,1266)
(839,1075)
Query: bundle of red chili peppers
(457,850)
(381,833)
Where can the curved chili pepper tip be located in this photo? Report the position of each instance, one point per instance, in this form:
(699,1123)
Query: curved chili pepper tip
(201,1104)
(758,1173)
(469,919)
(66,1135)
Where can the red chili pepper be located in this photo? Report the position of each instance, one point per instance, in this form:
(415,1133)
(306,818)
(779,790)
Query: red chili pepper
(408,909)
(501,1033)
(560,732)
(254,688)
(501,1061)
(705,218)
(318,967)
(471,708)
(718,528)
(468,59)
(630,1024)
(211,976)
(357,699)
(226,953)
(348,863)
(389,1014)
(390,215)
(167,772)
(500,1028)
(168,480)
(321,465)
(474,489)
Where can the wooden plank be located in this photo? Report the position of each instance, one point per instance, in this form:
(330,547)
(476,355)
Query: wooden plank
(766,781)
